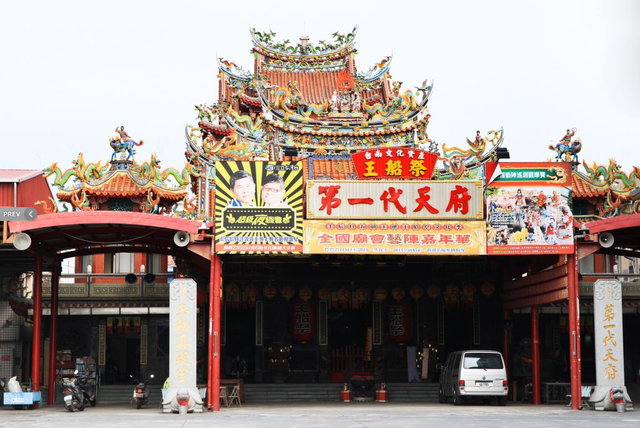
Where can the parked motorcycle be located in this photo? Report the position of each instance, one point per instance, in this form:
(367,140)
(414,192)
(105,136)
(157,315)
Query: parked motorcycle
(140,392)
(72,394)
(88,386)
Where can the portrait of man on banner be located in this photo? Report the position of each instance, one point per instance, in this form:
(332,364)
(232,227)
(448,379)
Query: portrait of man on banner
(258,207)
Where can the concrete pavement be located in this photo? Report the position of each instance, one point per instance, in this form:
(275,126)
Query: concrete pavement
(338,415)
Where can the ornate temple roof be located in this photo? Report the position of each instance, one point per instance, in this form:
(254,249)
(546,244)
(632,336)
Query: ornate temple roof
(121,184)
(583,187)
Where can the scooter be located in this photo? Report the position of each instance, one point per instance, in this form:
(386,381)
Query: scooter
(88,386)
(140,392)
(73,394)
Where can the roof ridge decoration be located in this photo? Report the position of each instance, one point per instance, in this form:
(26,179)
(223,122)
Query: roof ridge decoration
(88,186)
(266,42)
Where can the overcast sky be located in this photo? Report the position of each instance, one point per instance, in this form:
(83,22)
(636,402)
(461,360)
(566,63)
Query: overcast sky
(71,71)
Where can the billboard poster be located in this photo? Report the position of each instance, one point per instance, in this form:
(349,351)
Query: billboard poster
(394,237)
(258,207)
(394,199)
(527,209)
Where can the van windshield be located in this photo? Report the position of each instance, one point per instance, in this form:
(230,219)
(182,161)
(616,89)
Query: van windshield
(482,360)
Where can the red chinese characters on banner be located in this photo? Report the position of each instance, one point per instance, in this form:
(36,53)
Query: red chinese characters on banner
(397,162)
(391,197)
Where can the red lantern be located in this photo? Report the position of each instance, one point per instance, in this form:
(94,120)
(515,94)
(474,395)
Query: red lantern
(305,293)
(251,291)
(324,294)
(450,296)
(270,291)
(398,293)
(487,289)
(303,321)
(288,292)
(433,291)
(416,292)
(380,294)
(400,324)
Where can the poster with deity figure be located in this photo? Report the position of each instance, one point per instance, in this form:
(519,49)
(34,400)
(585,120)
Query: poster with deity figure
(528,210)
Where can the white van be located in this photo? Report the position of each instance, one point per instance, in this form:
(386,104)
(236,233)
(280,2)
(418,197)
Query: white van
(476,373)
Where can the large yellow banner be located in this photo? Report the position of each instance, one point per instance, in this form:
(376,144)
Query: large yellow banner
(395,237)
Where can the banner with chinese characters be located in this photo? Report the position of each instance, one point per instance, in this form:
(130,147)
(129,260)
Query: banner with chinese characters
(258,207)
(394,199)
(182,338)
(607,316)
(527,209)
(394,237)
(394,162)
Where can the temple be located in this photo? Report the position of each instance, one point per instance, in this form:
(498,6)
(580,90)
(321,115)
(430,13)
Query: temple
(332,242)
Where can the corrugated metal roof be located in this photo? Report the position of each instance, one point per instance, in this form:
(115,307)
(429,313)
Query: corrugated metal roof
(18,175)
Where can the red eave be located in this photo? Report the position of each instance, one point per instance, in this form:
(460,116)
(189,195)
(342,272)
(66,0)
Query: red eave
(614,223)
(105,217)
(583,189)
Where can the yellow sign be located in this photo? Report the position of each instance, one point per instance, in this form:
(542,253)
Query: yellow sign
(395,237)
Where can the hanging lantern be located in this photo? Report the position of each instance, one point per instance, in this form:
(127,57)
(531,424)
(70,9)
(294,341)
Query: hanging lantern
(398,293)
(136,324)
(400,324)
(324,294)
(380,294)
(416,292)
(270,291)
(468,291)
(120,325)
(343,298)
(288,292)
(487,289)
(433,291)
(450,296)
(252,294)
(232,295)
(127,325)
(303,325)
(109,325)
(305,293)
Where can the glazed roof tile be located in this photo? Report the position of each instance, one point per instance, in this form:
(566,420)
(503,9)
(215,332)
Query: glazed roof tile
(122,185)
(582,188)
(315,87)
(333,169)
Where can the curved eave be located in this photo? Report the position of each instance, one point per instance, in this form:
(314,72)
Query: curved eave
(488,156)
(342,51)
(229,72)
(381,72)
(71,219)
(583,187)
(386,129)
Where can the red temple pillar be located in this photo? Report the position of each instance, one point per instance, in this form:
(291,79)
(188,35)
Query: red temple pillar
(535,352)
(53,334)
(37,325)
(574,331)
(213,381)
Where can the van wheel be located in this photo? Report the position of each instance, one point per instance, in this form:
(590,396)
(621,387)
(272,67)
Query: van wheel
(441,397)
(502,401)
(457,399)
